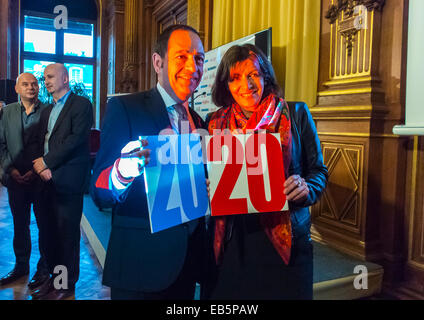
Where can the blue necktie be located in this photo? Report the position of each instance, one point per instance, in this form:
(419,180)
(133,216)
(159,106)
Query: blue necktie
(183,119)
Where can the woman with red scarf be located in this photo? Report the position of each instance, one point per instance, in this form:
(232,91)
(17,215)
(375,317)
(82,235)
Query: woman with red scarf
(266,255)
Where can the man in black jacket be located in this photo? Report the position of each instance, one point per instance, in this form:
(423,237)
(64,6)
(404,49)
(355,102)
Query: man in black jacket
(139,264)
(63,140)
(17,127)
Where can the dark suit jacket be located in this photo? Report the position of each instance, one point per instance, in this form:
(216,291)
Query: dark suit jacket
(12,153)
(69,153)
(136,259)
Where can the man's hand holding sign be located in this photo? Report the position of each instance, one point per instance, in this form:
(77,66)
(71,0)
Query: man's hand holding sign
(133,159)
(175,180)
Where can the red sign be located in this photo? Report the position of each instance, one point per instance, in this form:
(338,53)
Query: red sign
(246,173)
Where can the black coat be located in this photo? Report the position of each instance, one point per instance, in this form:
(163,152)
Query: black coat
(306,161)
(136,259)
(69,152)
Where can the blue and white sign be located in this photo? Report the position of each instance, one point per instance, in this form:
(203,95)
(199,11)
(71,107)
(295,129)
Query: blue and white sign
(175,181)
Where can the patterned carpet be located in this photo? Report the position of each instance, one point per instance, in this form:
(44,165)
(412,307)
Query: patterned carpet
(88,287)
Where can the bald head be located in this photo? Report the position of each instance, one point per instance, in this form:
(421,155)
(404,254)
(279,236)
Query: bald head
(59,68)
(27,87)
(56,79)
(26,76)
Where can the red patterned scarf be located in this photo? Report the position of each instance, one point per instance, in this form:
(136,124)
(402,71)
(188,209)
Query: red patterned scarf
(271,115)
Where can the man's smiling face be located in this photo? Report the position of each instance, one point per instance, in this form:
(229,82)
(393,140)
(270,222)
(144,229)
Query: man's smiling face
(183,64)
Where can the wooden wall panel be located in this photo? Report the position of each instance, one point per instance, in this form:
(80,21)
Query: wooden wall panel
(361,97)
(110,51)
(199,16)
(155,15)
(414,239)
(341,203)
(9,39)
(339,216)
(117,31)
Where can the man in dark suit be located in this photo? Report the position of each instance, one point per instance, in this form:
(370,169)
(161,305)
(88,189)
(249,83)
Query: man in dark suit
(64,167)
(17,127)
(141,265)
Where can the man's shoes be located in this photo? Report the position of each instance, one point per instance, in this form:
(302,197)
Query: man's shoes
(38,279)
(43,290)
(61,294)
(13,276)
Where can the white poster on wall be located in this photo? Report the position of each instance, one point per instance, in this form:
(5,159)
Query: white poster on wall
(203,95)
(414,105)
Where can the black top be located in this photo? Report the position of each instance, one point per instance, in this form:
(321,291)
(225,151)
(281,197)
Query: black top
(30,121)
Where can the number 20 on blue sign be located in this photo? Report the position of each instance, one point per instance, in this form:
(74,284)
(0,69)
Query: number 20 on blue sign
(175,181)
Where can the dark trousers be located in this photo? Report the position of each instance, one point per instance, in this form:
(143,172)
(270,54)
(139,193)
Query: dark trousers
(65,212)
(184,286)
(21,197)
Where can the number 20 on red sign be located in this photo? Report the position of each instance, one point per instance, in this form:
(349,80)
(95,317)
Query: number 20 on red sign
(246,173)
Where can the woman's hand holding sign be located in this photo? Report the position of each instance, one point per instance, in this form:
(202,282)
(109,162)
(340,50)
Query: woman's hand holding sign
(296,189)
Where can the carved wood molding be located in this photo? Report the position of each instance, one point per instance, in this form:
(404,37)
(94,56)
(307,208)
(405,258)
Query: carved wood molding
(347,7)
(354,46)
(342,201)
(130,76)
(351,23)
(119,5)
(114,6)
(168,8)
